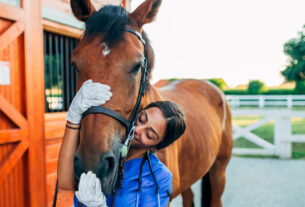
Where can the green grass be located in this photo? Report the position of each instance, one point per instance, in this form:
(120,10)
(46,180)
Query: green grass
(266,132)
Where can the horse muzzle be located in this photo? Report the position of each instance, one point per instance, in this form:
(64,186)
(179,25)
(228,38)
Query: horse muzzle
(105,170)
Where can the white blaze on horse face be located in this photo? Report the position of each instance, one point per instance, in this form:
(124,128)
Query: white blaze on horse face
(105,49)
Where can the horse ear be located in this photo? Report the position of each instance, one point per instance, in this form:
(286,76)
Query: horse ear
(146,12)
(82,9)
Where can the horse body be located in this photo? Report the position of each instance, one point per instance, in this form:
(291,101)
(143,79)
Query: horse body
(207,116)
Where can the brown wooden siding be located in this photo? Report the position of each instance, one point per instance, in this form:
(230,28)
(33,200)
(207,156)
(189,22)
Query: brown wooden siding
(54,130)
(22,164)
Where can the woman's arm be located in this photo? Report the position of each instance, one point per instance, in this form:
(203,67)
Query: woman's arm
(90,94)
(65,170)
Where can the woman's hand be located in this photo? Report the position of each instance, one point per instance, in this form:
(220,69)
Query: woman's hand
(90,94)
(89,191)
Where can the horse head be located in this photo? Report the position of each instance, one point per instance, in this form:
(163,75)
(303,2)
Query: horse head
(108,54)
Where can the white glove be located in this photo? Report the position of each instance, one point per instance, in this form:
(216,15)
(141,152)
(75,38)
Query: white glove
(89,191)
(90,94)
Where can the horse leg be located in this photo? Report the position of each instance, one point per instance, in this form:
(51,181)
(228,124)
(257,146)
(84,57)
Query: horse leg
(205,191)
(217,174)
(217,180)
(188,198)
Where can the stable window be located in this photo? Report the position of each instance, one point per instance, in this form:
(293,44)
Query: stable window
(60,77)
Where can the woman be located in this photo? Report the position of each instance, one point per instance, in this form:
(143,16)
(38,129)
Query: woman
(147,181)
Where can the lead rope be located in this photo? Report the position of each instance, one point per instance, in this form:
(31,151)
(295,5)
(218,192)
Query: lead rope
(55,194)
(140,178)
(155,180)
(146,157)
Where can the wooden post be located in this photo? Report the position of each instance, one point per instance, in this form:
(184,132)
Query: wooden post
(261,102)
(282,134)
(289,101)
(34,86)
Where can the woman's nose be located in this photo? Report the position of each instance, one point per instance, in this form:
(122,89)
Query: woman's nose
(138,129)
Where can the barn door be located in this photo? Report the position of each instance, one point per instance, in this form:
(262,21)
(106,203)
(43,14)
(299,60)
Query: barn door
(22,168)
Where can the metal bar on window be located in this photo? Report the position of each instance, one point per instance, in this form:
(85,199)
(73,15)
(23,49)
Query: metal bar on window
(50,59)
(62,72)
(60,77)
(45,67)
(58,100)
(67,79)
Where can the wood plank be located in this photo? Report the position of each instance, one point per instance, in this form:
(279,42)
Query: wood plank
(61,17)
(51,167)
(11,34)
(52,151)
(54,132)
(11,112)
(14,156)
(55,116)
(251,127)
(12,135)
(61,29)
(252,137)
(34,96)
(11,12)
(55,125)
(298,138)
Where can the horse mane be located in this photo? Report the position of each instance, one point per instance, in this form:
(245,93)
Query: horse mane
(110,22)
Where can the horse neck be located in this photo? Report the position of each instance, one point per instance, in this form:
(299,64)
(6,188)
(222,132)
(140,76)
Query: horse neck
(151,95)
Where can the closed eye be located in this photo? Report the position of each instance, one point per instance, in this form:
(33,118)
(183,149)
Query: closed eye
(142,117)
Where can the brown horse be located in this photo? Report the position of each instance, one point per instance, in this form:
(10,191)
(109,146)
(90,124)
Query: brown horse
(110,55)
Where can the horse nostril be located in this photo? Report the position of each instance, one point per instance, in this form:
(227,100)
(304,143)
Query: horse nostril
(107,164)
(78,166)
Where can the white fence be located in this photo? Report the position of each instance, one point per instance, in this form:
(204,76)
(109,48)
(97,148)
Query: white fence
(283,137)
(266,100)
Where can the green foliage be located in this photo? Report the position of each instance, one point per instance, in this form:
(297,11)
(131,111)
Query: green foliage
(256,87)
(295,49)
(236,92)
(279,92)
(173,79)
(267,92)
(52,76)
(300,87)
(219,82)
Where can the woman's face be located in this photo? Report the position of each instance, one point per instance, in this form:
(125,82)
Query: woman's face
(150,128)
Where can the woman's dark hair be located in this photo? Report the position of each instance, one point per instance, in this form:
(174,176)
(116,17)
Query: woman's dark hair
(175,121)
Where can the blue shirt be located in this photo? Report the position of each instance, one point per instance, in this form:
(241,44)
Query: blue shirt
(129,194)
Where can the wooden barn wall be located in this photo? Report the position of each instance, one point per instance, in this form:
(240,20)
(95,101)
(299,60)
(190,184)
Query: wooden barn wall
(64,5)
(54,130)
(22,162)
(14,183)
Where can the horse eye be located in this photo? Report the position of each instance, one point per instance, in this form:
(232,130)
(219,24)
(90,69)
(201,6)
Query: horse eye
(74,66)
(136,68)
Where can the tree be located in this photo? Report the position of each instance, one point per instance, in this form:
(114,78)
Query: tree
(256,87)
(219,82)
(295,69)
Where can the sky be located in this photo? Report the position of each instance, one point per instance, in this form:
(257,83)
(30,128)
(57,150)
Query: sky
(237,40)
